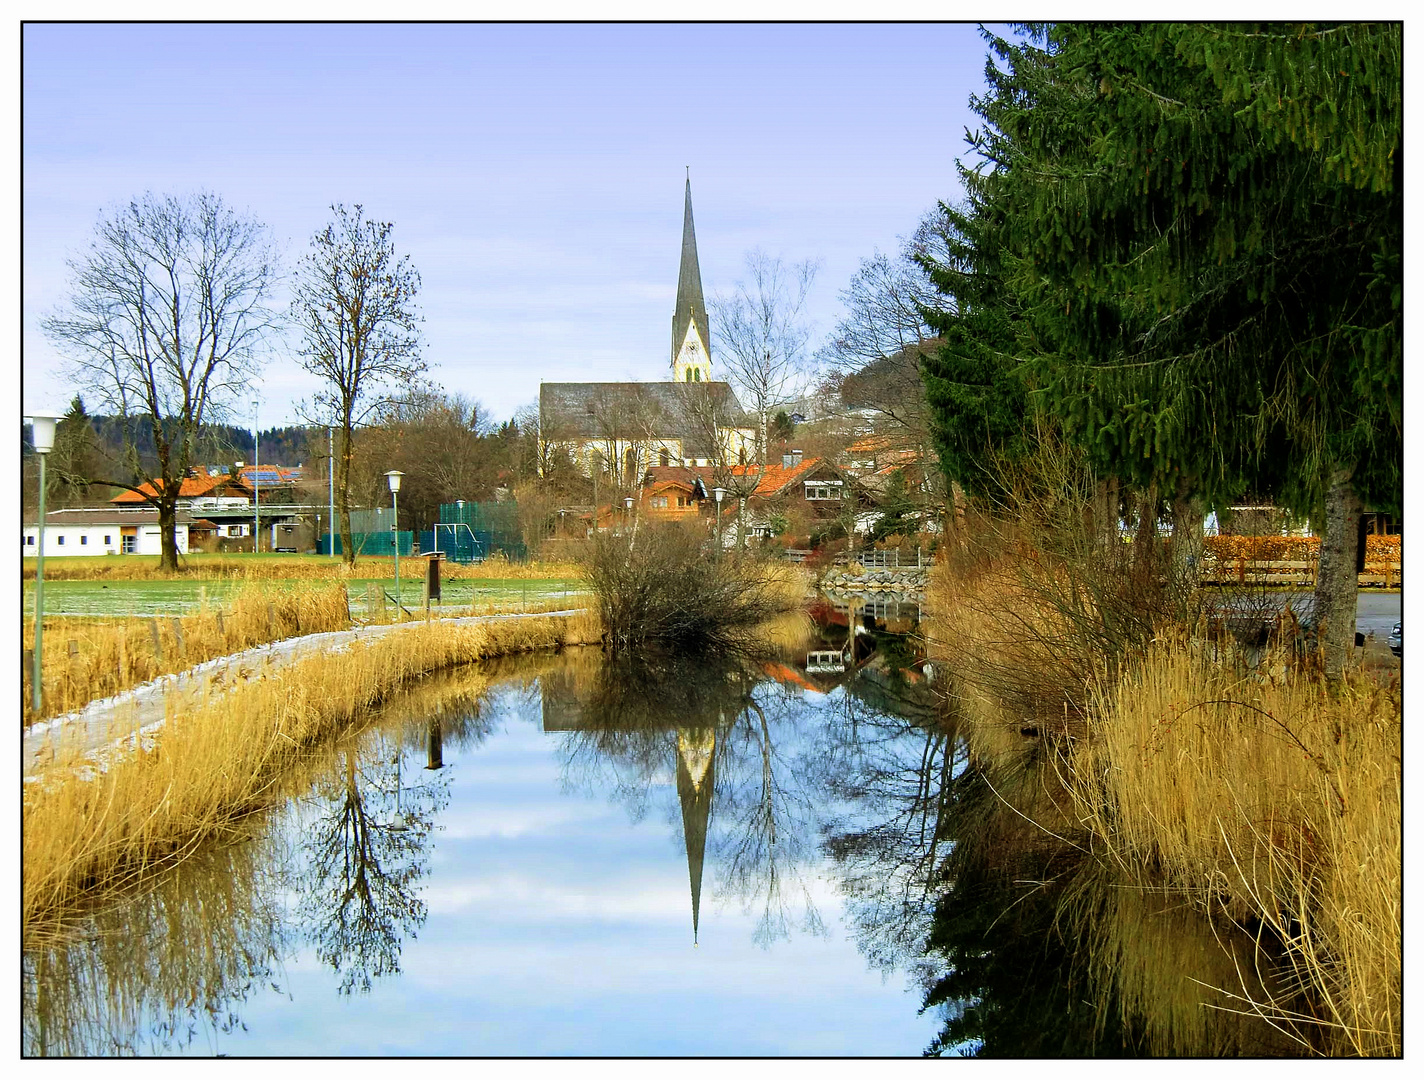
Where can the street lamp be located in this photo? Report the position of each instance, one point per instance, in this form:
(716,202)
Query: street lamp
(394,478)
(42,432)
(256,461)
(718,493)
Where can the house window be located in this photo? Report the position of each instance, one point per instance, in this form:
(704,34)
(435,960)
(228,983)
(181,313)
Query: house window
(108,540)
(129,545)
(822,492)
(235,530)
(60,541)
(83,540)
(663,457)
(658,502)
(30,540)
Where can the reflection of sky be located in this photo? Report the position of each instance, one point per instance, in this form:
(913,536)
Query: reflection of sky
(559,926)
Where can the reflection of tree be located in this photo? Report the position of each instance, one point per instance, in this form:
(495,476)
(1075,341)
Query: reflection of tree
(159,970)
(770,836)
(366,850)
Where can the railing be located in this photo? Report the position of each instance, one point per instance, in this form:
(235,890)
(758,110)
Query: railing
(1242,571)
(889,559)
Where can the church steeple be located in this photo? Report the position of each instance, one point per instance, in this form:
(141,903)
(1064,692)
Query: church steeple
(691,342)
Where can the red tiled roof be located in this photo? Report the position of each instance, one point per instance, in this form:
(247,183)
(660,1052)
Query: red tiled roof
(869,444)
(776,478)
(191,487)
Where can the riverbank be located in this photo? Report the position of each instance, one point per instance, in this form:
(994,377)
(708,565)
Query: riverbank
(88,827)
(1231,780)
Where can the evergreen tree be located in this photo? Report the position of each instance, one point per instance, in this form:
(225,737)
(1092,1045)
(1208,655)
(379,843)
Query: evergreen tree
(1200,230)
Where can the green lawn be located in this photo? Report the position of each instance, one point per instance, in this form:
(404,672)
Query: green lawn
(147,598)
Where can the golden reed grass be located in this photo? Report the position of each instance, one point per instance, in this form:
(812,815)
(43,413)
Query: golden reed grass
(1247,790)
(1270,800)
(221,755)
(113,655)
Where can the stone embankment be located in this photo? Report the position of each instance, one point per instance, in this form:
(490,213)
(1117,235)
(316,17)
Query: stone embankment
(857,579)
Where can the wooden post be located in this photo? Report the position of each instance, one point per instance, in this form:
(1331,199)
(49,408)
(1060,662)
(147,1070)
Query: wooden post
(157,641)
(178,635)
(221,632)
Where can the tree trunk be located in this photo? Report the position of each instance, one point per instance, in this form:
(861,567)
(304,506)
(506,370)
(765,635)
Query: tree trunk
(1337,582)
(167,526)
(1144,543)
(343,496)
(1188,536)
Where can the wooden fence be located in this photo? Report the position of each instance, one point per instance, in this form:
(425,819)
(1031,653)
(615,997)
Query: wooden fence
(1387,574)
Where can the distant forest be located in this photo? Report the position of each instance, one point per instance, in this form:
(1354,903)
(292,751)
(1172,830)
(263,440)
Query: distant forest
(218,444)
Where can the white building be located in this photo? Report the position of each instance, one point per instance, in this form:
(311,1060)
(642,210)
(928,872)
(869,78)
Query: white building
(104,532)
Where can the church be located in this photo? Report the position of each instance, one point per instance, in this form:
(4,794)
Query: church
(691,419)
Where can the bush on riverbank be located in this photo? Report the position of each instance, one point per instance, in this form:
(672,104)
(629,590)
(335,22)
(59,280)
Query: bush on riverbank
(88,828)
(661,586)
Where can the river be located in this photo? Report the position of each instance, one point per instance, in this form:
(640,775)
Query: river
(674,856)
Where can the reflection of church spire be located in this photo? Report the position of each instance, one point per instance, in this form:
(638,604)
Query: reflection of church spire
(694,790)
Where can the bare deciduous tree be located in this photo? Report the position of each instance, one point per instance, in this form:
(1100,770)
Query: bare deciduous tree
(761,339)
(355,304)
(166,314)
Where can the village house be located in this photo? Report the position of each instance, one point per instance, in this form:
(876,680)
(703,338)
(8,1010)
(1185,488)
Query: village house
(131,530)
(624,428)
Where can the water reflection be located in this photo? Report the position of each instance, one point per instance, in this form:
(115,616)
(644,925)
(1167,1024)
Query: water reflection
(774,774)
(725,734)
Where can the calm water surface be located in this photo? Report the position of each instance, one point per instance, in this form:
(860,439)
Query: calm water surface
(565,856)
(545,858)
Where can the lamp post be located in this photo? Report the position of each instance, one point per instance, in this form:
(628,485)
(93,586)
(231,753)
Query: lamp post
(330,493)
(394,478)
(718,493)
(256,461)
(42,432)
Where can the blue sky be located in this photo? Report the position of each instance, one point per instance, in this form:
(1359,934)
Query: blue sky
(534,173)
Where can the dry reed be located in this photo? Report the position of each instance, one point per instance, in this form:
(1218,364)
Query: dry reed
(109,656)
(221,755)
(1246,789)
(1272,801)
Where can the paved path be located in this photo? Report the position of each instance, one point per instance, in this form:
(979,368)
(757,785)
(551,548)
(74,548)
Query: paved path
(142,709)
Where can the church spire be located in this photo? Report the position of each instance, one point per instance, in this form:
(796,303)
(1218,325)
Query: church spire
(691,342)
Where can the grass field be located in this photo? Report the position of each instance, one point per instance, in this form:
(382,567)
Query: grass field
(145,598)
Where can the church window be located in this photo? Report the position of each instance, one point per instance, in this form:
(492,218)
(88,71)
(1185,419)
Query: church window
(688,374)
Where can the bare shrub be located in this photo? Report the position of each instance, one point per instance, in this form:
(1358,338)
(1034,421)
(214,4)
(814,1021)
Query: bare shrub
(662,586)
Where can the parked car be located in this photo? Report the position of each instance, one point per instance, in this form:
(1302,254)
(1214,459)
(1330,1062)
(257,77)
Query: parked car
(1396,639)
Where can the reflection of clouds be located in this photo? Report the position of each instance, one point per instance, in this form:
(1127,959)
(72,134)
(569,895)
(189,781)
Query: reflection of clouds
(509,822)
(526,897)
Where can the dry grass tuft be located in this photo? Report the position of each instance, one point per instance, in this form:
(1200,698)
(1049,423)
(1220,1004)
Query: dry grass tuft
(1272,801)
(112,655)
(221,755)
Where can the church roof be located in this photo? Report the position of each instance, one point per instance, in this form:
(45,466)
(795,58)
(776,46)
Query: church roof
(690,307)
(639,410)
